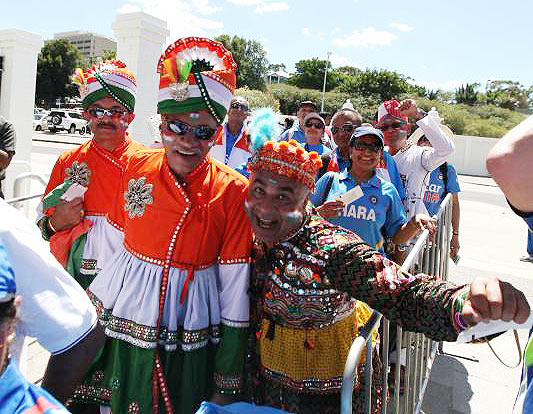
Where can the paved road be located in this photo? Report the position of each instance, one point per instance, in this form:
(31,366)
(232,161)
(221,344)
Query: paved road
(492,239)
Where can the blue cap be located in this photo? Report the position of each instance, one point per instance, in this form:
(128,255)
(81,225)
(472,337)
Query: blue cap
(8,288)
(367,130)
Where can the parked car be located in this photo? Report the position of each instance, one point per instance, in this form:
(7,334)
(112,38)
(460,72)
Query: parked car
(70,121)
(40,122)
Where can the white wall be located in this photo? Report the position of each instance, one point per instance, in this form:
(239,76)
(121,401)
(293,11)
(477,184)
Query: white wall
(471,153)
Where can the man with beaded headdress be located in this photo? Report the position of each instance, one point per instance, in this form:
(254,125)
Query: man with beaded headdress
(307,274)
(174,300)
(82,232)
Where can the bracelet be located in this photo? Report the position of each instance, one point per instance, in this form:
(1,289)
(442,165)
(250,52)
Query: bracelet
(50,226)
(455,233)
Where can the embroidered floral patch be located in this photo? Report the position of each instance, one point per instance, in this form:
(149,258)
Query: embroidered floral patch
(79,173)
(137,197)
(134,408)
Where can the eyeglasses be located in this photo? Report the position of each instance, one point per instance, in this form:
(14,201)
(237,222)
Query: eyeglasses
(202,132)
(362,146)
(101,112)
(237,105)
(346,128)
(396,125)
(316,125)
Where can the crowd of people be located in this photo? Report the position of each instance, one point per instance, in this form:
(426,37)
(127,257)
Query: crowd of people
(237,262)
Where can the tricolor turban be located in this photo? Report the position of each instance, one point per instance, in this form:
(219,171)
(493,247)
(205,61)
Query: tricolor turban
(109,78)
(196,74)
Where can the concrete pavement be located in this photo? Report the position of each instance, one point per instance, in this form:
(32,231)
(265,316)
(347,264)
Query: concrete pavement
(492,239)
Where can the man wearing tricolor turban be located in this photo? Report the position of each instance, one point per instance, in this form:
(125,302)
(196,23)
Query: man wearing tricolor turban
(82,230)
(174,301)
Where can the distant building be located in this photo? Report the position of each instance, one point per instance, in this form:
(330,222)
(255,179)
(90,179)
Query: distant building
(91,45)
(279,76)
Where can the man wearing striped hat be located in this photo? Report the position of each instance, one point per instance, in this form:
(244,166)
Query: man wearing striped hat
(74,213)
(174,300)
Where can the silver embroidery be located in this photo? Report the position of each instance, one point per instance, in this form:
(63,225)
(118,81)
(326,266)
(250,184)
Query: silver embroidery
(137,197)
(79,173)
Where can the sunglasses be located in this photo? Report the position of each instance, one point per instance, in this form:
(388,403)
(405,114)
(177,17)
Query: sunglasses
(316,125)
(396,125)
(237,105)
(346,128)
(362,146)
(101,112)
(202,132)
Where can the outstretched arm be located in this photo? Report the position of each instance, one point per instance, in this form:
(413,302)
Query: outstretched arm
(509,163)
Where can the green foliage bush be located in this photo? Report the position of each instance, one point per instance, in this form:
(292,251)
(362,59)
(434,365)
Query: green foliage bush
(258,99)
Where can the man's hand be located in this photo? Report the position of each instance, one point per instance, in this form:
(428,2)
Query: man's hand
(490,298)
(408,108)
(423,221)
(454,246)
(330,209)
(67,214)
(221,399)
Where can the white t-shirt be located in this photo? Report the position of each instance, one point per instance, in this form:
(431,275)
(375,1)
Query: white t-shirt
(54,309)
(415,163)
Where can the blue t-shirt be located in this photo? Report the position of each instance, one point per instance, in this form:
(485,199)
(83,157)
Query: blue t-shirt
(377,214)
(18,396)
(394,174)
(295,133)
(524,400)
(317,148)
(435,188)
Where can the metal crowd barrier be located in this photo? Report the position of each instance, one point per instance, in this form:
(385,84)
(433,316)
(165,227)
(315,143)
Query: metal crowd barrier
(427,256)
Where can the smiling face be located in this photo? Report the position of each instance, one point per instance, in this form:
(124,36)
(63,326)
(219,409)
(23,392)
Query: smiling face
(110,128)
(313,130)
(238,110)
(303,111)
(395,132)
(365,158)
(275,206)
(185,152)
(342,126)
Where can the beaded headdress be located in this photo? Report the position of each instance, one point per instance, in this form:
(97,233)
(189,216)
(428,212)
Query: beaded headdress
(288,159)
(109,78)
(196,74)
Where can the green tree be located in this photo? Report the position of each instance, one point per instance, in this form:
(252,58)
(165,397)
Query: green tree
(108,54)
(55,65)
(379,84)
(251,61)
(276,67)
(348,70)
(310,75)
(467,94)
(507,94)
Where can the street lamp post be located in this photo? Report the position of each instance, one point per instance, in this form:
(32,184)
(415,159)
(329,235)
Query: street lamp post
(324,85)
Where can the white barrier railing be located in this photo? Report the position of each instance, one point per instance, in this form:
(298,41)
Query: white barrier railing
(430,257)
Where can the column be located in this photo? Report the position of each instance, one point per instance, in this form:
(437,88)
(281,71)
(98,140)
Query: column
(140,42)
(17,91)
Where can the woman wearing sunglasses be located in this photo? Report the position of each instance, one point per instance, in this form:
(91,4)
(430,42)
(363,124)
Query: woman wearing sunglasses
(174,300)
(375,212)
(314,127)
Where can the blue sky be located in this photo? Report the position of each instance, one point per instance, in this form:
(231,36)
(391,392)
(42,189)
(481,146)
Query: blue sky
(438,44)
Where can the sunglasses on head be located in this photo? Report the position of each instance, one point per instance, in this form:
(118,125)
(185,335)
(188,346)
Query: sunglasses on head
(237,105)
(395,125)
(316,125)
(361,146)
(346,128)
(101,112)
(202,132)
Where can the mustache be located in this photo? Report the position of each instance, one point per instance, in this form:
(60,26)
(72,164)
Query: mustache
(105,124)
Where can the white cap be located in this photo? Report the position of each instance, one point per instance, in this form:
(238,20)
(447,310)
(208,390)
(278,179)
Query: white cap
(348,105)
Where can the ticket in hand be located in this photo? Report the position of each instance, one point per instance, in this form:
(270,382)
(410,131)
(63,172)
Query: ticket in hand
(482,329)
(74,191)
(352,195)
